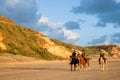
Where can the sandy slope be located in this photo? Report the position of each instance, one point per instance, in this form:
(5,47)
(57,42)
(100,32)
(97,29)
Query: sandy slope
(57,70)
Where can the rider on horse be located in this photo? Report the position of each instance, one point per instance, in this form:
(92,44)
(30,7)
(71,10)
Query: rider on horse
(102,55)
(74,56)
(74,53)
(84,55)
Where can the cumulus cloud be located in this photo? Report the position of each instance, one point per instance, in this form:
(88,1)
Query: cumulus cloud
(23,12)
(115,38)
(56,30)
(44,24)
(99,40)
(71,35)
(63,35)
(43,20)
(117,1)
(108,11)
(57,34)
(72,25)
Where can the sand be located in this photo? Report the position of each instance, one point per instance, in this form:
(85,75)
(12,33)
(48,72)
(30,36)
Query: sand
(57,70)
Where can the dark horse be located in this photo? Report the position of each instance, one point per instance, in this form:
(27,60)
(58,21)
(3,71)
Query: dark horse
(74,61)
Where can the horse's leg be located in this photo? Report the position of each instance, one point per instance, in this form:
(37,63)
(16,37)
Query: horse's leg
(77,66)
(102,66)
(88,65)
(101,63)
(74,67)
(85,67)
(106,66)
(71,67)
(80,67)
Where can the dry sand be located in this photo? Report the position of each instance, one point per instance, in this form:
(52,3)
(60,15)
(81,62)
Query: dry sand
(57,70)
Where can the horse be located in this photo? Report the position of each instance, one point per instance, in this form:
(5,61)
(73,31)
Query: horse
(75,62)
(102,62)
(83,64)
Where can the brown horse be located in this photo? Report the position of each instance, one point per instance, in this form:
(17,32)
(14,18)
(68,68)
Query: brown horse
(83,64)
(74,62)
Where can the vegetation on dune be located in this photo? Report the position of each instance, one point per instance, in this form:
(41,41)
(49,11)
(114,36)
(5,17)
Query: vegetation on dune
(23,41)
(89,51)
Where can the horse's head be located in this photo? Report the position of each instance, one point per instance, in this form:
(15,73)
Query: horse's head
(79,56)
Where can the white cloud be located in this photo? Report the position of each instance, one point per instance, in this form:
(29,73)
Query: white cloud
(117,1)
(44,21)
(12,2)
(71,35)
(22,12)
(55,25)
(55,28)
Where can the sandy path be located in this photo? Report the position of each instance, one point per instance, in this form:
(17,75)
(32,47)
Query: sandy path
(57,70)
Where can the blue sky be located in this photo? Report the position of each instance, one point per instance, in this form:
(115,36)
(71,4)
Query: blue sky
(80,22)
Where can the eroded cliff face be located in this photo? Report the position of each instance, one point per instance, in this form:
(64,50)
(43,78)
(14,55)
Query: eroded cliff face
(53,48)
(4,21)
(2,45)
(114,51)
